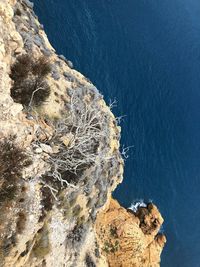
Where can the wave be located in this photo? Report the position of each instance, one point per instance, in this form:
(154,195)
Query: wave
(137,204)
(161,230)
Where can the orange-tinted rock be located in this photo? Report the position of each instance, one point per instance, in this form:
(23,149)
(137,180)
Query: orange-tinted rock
(128,239)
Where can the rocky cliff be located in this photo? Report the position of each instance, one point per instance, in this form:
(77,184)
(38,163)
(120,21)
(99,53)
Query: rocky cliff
(130,239)
(60,161)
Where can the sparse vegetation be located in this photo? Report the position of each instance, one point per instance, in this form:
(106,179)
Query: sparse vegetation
(29,87)
(42,244)
(113,231)
(46,202)
(12,161)
(89,261)
(81,220)
(76,235)
(7,244)
(110,247)
(76,211)
(21,222)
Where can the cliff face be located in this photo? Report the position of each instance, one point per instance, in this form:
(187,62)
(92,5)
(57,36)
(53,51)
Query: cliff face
(59,157)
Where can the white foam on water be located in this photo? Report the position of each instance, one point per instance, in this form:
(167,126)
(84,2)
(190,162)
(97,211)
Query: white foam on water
(137,204)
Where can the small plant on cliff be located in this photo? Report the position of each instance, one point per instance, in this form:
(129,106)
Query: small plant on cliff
(76,235)
(89,261)
(110,247)
(29,87)
(113,231)
(12,161)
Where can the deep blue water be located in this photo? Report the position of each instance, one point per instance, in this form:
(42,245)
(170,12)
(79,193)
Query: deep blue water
(146,54)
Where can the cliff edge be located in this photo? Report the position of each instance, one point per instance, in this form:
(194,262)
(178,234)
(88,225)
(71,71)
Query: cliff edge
(60,161)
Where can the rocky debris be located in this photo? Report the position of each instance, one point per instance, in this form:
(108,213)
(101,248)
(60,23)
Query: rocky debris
(130,239)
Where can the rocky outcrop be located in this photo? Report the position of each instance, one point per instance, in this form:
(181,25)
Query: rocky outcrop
(130,239)
(59,155)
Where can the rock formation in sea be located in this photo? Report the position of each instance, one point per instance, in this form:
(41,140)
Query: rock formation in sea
(60,161)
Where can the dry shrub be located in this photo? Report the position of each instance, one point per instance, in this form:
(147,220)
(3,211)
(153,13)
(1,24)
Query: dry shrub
(41,67)
(89,261)
(12,161)
(29,87)
(82,137)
